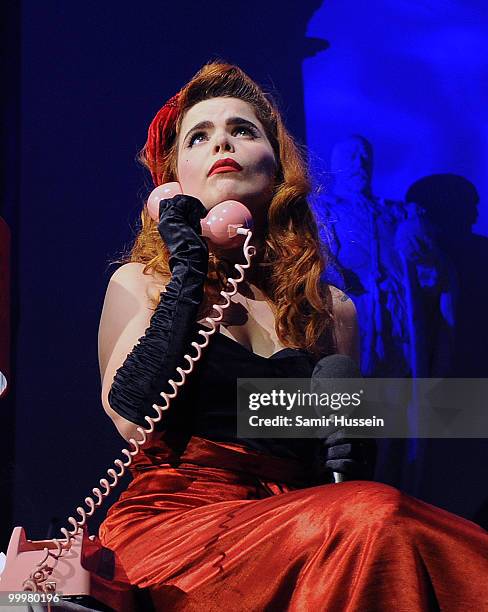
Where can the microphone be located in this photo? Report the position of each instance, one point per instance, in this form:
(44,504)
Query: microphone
(333,366)
(336,366)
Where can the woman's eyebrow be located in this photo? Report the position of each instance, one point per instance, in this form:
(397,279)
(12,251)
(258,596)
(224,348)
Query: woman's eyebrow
(203,125)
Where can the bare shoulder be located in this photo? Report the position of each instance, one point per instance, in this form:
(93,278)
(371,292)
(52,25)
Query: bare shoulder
(342,306)
(129,275)
(346,332)
(126,314)
(127,310)
(131,278)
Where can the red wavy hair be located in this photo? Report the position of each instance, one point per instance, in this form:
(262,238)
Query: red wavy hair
(292,259)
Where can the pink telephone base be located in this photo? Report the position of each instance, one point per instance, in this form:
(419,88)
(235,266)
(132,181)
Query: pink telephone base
(88,570)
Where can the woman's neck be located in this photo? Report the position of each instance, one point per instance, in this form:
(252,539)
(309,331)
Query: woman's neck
(235,255)
(254,283)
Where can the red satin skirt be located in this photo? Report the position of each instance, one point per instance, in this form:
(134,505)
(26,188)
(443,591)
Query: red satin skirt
(216,526)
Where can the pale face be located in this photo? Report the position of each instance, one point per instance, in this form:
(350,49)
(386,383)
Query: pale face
(231,130)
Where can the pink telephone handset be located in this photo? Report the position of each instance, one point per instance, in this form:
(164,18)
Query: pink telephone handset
(78,574)
(224,223)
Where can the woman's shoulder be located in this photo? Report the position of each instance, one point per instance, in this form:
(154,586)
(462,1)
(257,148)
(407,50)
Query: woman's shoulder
(132,277)
(345,326)
(343,307)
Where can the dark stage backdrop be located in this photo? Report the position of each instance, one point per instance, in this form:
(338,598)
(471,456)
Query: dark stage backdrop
(84,81)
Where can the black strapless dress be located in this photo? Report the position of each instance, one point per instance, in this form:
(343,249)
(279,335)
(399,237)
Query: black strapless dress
(206,404)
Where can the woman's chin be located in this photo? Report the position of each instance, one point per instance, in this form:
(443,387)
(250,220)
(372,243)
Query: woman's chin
(231,189)
(227,192)
(251,200)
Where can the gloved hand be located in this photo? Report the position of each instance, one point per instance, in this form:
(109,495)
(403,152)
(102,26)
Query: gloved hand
(153,360)
(355,458)
(179,227)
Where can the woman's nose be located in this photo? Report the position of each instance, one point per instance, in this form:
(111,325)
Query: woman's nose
(223,143)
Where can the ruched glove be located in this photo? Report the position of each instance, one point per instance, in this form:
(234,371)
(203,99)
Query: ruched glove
(355,458)
(153,360)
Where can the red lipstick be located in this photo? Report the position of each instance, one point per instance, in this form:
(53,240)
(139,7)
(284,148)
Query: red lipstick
(225,165)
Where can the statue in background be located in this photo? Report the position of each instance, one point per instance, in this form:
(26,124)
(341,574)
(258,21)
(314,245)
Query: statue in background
(385,259)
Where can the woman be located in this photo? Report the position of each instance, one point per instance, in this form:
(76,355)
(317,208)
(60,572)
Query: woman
(213,522)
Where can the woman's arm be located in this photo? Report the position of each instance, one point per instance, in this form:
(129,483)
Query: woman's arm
(126,314)
(354,458)
(345,331)
(136,386)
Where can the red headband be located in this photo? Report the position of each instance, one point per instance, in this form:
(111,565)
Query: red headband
(161,129)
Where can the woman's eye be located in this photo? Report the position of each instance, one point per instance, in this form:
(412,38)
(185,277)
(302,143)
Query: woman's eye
(243,128)
(194,137)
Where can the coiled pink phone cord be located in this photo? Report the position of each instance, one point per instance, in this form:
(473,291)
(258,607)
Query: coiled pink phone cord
(39,576)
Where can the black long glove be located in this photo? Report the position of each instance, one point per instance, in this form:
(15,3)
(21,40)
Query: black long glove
(355,458)
(153,361)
